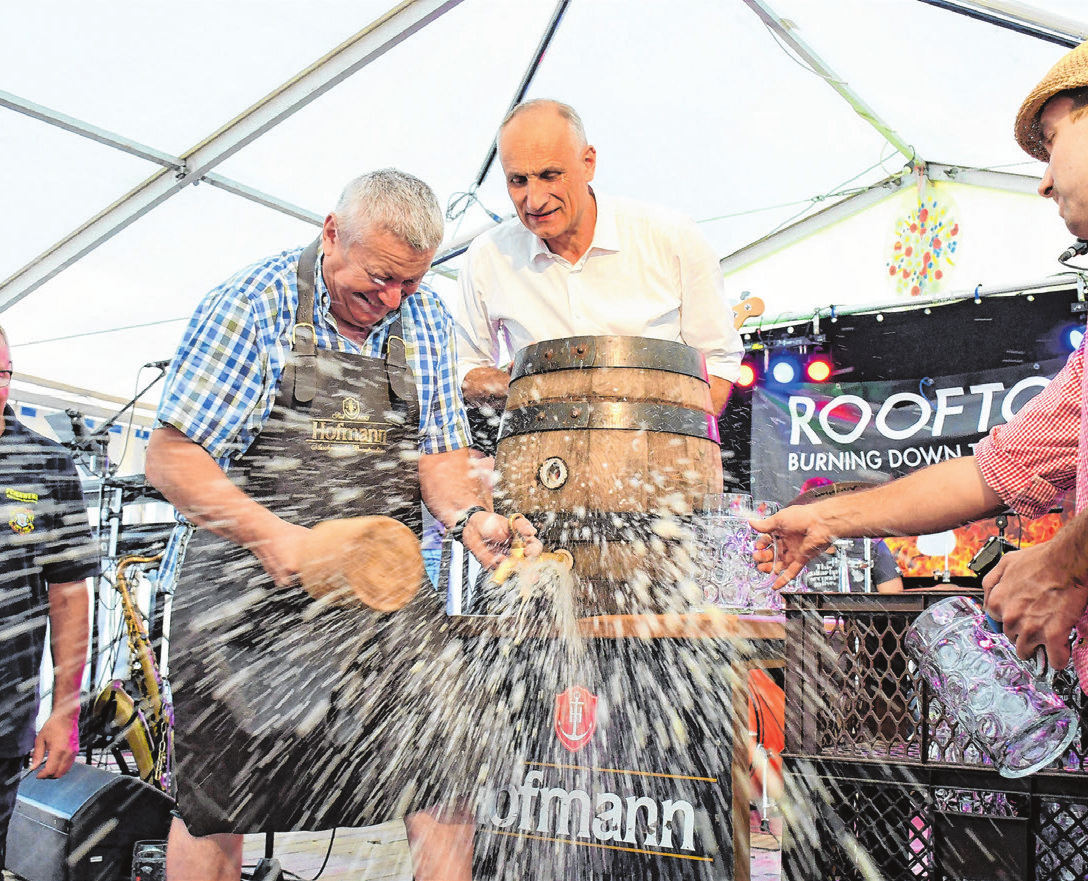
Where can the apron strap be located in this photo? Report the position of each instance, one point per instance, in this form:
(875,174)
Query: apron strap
(303,377)
(397,368)
(302,373)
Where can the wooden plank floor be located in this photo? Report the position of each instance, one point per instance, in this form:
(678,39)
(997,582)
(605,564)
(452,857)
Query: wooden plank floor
(380,853)
(376,853)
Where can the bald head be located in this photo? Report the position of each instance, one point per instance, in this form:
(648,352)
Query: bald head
(548,167)
(548,107)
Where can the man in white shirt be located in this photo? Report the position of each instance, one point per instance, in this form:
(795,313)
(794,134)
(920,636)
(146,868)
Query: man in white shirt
(578,263)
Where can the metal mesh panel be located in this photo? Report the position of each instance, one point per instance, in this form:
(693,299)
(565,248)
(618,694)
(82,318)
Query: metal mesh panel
(867,688)
(854,692)
(1062,842)
(864,826)
(880,784)
(980,834)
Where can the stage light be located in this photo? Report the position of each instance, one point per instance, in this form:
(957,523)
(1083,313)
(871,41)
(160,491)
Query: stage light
(1073,337)
(818,368)
(784,370)
(748,375)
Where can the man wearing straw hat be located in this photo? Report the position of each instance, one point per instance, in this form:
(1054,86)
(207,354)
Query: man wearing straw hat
(321,380)
(1039,593)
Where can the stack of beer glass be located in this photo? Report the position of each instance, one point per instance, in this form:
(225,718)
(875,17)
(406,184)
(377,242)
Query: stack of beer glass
(727,572)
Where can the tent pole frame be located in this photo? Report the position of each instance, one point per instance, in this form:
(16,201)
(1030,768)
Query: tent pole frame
(382,35)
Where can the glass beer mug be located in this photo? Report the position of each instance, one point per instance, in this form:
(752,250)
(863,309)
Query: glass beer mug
(729,576)
(1011,711)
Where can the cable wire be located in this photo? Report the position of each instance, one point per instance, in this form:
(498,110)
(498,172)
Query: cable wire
(324,863)
(459,204)
(74,336)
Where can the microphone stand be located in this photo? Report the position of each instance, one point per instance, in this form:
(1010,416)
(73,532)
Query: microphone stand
(97,444)
(98,436)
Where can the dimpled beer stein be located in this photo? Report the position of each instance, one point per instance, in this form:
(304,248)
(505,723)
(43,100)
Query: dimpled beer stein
(729,575)
(716,524)
(1012,713)
(761,595)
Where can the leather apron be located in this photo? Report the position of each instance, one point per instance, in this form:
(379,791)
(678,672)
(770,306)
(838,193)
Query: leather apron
(291,714)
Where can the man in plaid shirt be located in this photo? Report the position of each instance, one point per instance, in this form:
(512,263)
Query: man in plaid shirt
(317,384)
(1039,593)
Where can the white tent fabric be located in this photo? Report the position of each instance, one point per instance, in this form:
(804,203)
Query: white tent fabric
(697,104)
(846,266)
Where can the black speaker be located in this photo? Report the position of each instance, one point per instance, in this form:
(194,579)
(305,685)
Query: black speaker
(84,826)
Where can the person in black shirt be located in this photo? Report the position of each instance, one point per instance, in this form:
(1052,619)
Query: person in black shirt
(46,555)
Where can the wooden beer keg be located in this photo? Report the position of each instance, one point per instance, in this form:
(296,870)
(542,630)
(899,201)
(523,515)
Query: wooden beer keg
(608,444)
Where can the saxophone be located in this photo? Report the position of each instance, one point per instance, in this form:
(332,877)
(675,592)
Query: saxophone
(147,725)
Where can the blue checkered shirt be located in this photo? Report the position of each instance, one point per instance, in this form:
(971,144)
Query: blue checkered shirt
(222,383)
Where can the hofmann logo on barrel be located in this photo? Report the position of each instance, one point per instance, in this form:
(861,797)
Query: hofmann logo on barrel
(645,822)
(575,717)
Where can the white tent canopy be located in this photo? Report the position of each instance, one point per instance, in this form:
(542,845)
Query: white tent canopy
(149,150)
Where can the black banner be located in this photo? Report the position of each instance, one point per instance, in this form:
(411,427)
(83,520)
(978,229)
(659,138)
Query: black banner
(879,430)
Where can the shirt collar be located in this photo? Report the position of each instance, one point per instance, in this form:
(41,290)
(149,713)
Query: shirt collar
(323,302)
(11,424)
(606,235)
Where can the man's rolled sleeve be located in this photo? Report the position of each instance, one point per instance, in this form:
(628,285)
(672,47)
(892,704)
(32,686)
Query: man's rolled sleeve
(72,553)
(218,381)
(444,423)
(1031,462)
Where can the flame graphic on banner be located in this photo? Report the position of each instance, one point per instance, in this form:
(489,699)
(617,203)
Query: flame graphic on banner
(1020,531)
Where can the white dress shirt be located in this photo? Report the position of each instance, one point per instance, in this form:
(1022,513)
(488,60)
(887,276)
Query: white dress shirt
(649,272)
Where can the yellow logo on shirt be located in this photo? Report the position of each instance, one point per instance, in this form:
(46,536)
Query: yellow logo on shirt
(21,520)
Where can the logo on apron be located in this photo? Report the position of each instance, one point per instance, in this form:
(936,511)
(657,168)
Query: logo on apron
(21,520)
(351,427)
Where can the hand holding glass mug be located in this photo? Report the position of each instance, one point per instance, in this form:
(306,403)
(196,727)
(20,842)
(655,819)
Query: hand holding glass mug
(788,540)
(1037,598)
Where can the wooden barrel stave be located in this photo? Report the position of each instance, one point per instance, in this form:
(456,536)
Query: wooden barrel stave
(617,498)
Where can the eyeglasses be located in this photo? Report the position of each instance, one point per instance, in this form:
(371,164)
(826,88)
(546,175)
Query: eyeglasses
(5,378)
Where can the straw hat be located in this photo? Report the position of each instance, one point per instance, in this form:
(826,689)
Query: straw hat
(375,560)
(1069,73)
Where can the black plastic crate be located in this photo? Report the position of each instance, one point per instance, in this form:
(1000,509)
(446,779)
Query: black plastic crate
(880,784)
(859,821)
(854,694)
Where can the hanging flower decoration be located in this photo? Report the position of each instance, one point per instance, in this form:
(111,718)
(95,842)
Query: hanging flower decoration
(923,249)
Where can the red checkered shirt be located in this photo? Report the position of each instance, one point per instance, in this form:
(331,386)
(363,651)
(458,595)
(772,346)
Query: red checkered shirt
(1038,457)
(1035,459)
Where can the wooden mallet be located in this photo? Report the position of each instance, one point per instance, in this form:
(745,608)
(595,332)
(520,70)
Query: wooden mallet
(371,560)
